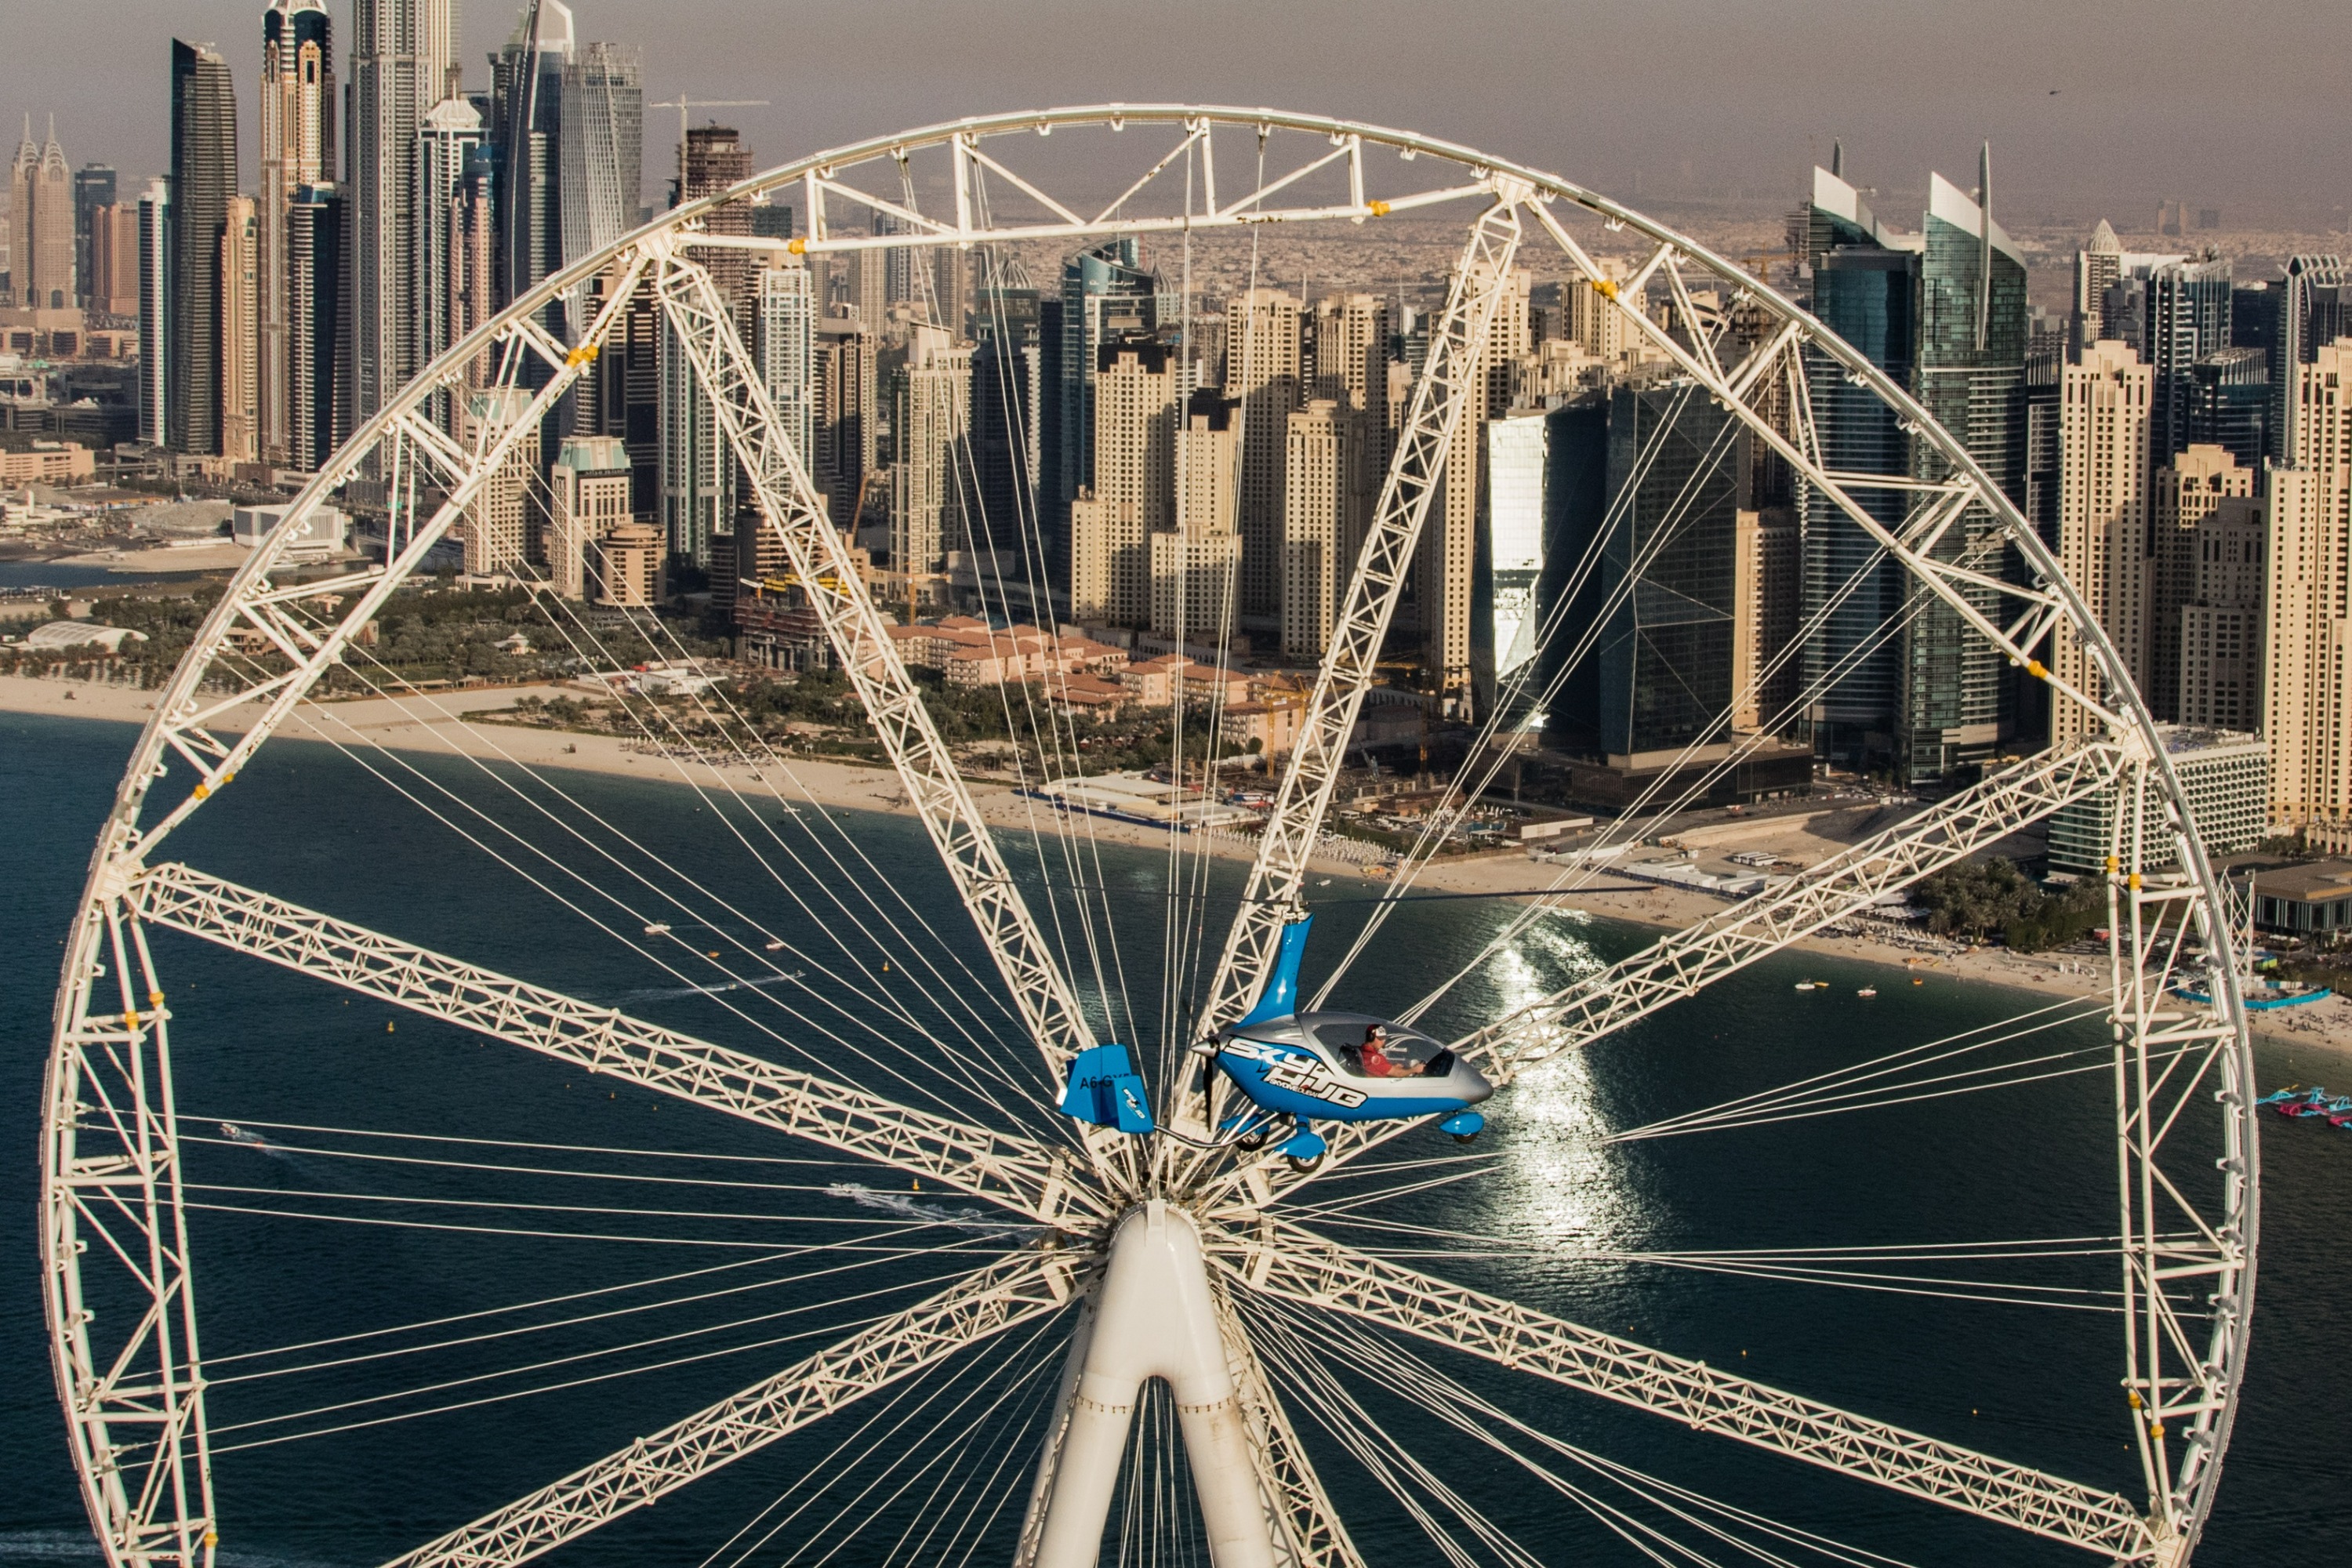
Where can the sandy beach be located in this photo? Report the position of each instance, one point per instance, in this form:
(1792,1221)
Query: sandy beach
(436,723)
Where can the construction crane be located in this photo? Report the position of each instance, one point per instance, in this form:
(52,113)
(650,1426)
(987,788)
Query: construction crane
(682,103)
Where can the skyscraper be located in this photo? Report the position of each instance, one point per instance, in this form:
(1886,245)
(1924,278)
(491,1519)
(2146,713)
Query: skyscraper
(1136,399)
(318,303)
(2182,495)
(698,471)
(2230,404)
(588,495)
(113,286)
(2187,320)
(2314,308)
(1329,447)
(1264,374)
(2219,633)
(155,296)
(1971,377)
(240,349)
(41,224)
(934,409)
(1865,289)
(527,126)
(601,166)
(204,180)
(297,111)
(1658,677)
(1505,620)
(2307,686)
(1194,562)
(499,532)
(93,187)
(2096,268)
(404,61)
(1106,295)
(2105,417)
(1007,368)
(847,415)
(449,141)
(783,342)
(1447,563)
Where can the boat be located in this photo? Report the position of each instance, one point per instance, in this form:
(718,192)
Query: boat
(657,930)
(777,945)
(1804,985)
(1867,990)
(1918,980)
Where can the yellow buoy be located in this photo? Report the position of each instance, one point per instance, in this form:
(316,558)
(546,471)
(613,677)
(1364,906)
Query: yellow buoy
(387,1026)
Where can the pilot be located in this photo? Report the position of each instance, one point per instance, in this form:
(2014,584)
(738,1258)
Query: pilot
(1378,1061)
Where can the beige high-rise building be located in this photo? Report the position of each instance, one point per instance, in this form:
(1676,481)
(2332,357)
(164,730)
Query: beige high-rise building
(588,496)
(1196,563)
(2218,632)
(628,562)
(499,532)
(1767,569)
(2307,637)
(1133,495)
(1599,324)
(112,286)
(2103,433)
(934,414)
(1262,370)
(1327,505)
(240,349)
(1352,355)
(1449,539)
(2186,493)
(41,225)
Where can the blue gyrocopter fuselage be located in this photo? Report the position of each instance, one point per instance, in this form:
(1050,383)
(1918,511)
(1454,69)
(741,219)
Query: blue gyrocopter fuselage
(1293,1069)
(1338,1067)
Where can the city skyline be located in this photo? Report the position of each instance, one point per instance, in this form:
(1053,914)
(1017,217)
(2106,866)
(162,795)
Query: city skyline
(2084,134)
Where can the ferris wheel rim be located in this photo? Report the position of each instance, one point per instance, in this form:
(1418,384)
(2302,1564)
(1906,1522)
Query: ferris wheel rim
(2132,722)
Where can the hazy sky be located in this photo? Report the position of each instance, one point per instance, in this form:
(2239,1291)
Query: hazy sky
(2241,106)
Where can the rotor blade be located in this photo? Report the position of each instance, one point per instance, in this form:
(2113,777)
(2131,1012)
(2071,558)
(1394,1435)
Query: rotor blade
(1454,374)
(985,1303)
(1679,964)
(791,510)
(1295,1265)
(1004,1167)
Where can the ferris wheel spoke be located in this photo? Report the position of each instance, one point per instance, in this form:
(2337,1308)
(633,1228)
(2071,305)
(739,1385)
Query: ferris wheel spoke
(790,508)
(982,1304)
(1004,1167)
(1681,963)
(1294,1265)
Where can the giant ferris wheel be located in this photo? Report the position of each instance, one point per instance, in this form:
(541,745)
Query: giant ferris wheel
(1164,1240)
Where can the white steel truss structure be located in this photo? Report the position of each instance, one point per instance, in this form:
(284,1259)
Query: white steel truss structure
(118,1278)
(1291,1263)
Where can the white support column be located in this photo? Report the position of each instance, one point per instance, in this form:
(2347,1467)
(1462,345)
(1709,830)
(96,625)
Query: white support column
(1415,470)
(1155,1317)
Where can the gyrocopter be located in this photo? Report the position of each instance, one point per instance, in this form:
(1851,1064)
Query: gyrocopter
(1294,1068)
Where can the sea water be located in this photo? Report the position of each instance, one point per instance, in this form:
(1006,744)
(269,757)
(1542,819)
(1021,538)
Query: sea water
(785,1258)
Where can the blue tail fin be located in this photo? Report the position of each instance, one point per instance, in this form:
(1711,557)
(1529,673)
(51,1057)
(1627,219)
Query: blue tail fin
(1105,1089)
(1280,997)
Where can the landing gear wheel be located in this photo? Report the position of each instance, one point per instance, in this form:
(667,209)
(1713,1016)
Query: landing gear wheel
(1303,1166)
(1253,1140)
(1464,1137)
